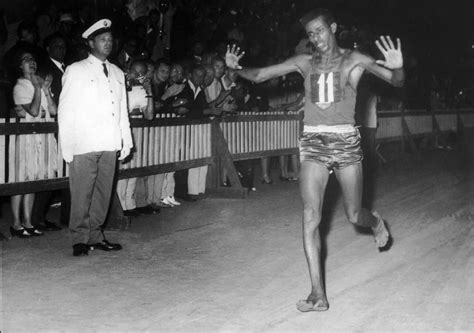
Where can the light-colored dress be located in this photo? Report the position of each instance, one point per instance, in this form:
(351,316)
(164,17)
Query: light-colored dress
(36,155)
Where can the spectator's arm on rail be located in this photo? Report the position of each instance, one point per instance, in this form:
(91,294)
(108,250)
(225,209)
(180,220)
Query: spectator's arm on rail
(149,112)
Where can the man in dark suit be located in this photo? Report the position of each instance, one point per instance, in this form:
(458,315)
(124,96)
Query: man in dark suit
(191,101)
(53,65)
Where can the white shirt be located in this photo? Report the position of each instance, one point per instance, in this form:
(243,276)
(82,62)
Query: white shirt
(137,99)
(225,86)
(195,89)
(58,64)
(92,112)
(213,90)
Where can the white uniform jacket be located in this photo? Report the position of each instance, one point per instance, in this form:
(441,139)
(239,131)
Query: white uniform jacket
(92,112)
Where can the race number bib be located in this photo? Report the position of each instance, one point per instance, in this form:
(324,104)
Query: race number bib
(325,88)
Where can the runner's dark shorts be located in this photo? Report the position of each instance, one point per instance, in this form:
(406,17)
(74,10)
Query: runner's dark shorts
(333,150)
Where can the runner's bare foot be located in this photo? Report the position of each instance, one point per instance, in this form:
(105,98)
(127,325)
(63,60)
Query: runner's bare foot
(313,303)
(381,233)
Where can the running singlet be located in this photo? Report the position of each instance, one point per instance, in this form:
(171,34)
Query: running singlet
(327,103)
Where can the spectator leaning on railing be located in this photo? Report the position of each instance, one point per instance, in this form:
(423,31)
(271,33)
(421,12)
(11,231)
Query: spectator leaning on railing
(140,104)
(193,104)
(176,83)
(154,183)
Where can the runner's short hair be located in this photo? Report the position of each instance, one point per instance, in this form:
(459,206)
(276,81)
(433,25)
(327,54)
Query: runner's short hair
(326,14)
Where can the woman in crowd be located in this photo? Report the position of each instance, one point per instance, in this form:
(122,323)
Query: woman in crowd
(33,101)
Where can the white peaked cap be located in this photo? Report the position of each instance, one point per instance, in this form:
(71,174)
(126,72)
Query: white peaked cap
(97,28)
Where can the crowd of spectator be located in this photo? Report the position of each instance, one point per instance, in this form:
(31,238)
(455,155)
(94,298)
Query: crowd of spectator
(166,70)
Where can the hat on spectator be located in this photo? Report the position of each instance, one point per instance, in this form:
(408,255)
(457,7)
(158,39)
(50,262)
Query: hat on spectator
(66,18)
(97,28)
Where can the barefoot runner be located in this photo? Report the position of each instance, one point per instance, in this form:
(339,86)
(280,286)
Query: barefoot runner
(329,141)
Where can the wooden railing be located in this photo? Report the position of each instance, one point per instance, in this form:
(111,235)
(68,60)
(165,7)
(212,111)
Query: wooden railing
(171,143)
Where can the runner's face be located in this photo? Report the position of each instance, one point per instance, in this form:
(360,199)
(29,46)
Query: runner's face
(321,34)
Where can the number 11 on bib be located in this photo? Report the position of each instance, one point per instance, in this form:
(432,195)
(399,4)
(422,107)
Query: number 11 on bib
(325,88)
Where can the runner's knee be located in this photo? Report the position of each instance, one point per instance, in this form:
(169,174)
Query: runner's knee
(311,217)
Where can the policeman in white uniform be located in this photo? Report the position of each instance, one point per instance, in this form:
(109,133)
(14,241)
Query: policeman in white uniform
(93,128)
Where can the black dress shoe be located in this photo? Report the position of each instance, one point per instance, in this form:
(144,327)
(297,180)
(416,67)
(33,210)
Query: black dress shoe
(20,233)
(147,210)
(191,197)
(105,246)
(33,231)
(80,249)
(48,226)
(130,212)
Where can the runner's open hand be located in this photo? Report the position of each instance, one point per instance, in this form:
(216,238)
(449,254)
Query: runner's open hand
(393,56)
(232,57)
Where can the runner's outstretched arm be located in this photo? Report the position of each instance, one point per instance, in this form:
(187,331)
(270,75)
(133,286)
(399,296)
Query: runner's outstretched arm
(390,69)
(233,56)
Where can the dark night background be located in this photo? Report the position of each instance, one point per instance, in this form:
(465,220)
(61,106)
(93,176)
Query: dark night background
(437,36)
(437,31)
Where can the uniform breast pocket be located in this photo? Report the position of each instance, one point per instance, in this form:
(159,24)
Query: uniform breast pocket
(119,88)
(93,83)
(89,88)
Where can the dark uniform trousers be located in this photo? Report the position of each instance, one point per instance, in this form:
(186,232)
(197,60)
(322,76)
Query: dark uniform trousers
(91,178)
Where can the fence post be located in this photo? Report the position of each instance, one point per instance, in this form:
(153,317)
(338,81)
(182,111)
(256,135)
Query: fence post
(223,158)
(214,171)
